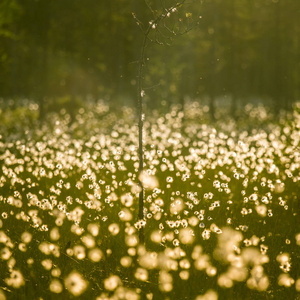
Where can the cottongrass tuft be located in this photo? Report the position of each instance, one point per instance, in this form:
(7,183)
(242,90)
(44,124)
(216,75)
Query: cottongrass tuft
(75,283)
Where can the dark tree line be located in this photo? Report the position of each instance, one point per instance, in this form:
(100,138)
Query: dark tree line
(66,49)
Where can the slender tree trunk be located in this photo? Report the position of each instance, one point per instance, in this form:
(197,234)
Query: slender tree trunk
(43,88)
(212,107)
(140,94)
(72,104)
(214,63)
(233,62)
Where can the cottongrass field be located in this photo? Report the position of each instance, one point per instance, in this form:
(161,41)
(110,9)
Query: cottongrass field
(221,204)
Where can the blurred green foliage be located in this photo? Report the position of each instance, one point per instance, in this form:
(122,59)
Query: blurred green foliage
(242,49)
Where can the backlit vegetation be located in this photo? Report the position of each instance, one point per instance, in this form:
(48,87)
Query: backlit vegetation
(221,205)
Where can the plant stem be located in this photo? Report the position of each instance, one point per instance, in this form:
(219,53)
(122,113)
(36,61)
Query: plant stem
(140,126)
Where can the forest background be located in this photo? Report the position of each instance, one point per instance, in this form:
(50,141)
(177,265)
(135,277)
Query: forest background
(63,51)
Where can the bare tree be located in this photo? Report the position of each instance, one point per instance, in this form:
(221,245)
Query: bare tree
(161,30)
